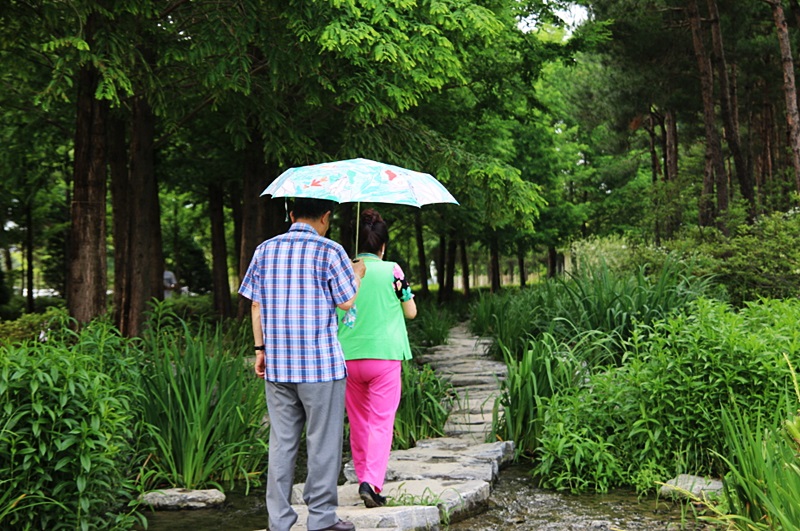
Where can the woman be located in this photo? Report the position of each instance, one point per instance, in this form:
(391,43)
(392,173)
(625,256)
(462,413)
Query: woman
(375,344)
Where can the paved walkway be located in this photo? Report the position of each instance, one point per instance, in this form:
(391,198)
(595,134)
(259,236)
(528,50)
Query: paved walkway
(443,479)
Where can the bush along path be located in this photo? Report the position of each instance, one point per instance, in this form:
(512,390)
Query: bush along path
(444,479)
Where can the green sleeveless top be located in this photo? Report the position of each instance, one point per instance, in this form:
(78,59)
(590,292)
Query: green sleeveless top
(379,331)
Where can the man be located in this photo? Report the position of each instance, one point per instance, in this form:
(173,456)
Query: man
(295,282)
(170,283)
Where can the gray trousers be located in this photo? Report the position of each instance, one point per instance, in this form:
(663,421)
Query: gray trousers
(320,407)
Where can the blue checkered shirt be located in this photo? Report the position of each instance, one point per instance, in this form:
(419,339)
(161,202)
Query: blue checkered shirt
(299,278)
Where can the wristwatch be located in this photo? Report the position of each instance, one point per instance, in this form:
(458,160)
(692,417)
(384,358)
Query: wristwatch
(260,347)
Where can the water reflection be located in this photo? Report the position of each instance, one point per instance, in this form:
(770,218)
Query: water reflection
(516,504)
(240,513)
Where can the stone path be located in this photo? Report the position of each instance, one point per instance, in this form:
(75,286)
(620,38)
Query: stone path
(453,475)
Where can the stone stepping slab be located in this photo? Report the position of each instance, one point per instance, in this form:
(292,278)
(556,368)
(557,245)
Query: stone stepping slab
(445,459)
(445,501)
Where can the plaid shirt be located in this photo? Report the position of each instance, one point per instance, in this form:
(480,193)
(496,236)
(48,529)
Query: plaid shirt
(299,278)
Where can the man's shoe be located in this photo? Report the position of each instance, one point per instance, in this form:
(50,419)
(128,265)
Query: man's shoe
(371,498)
(341,525)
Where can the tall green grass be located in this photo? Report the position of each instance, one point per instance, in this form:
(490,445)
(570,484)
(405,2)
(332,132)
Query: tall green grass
(594,298)
(432,325)
(425,405)
(204,404)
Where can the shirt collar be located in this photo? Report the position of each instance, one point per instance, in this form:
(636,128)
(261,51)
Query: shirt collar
(302,227)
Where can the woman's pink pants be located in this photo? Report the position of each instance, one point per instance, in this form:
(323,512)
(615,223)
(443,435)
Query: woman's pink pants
(371,399)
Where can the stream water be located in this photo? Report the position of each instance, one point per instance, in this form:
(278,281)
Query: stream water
(515,504)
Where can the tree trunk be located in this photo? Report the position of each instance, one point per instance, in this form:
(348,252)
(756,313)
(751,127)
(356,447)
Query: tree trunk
(715,175)
(219,252)
(552,262)
(464,266)
(29,299)
(423,261)
(521,265)
(235,196)
(146,255)
(348,216)
(655,172)
(450,268)
(789,87)
(673,219)
(86,283)
(729,111)
(252,212)
(441,258)
(121,225)
(494,265)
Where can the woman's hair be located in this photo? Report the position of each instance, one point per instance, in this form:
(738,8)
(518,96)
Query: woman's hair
(373,232)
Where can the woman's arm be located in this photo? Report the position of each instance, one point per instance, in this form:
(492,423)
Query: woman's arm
(409,309)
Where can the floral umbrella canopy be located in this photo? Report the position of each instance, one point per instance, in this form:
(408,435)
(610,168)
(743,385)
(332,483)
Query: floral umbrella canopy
(360,180)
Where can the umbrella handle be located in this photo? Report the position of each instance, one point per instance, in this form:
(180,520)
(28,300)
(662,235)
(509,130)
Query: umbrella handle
(358,223)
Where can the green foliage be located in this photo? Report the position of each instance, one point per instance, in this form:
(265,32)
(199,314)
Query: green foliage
(664,404)
(424,407)
(758,260)
(67,416)
(204,405)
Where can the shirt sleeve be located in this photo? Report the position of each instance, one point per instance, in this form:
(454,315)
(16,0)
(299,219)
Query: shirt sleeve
(251,279)
(343,279)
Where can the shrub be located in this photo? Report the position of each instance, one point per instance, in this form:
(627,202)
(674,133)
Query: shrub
(763,260)
(34,327)
(66,419)
(664,404)
(758,261)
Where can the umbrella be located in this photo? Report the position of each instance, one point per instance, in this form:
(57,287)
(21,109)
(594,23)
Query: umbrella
(360,180)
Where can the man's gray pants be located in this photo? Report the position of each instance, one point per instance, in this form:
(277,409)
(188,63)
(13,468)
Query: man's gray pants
(320,407)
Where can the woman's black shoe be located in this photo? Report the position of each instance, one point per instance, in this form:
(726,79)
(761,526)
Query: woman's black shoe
(371,498)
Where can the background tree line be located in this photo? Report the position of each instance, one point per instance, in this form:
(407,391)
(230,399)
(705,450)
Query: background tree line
(140,133)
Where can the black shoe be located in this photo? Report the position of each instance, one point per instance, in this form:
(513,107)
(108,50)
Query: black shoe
(341,525)
(371,498)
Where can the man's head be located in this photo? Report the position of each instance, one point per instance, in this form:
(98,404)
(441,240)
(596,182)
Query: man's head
(315,212)
(314,209)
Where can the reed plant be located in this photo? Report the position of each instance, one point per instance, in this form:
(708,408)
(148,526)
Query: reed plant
(762,487)
(425,406)
(204,404)
(593,298)
(547,367)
